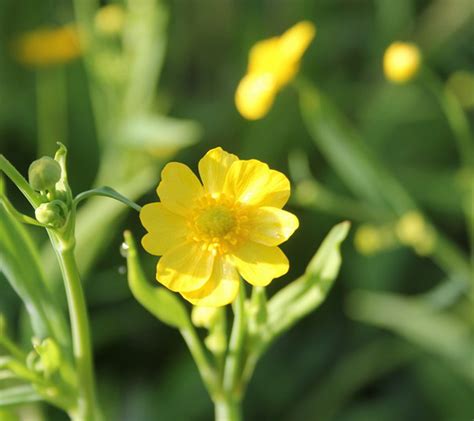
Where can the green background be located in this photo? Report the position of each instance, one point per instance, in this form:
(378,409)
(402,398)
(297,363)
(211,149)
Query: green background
(330,367)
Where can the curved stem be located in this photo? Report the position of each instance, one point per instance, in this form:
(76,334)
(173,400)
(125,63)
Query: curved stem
(195,347)
(87,409)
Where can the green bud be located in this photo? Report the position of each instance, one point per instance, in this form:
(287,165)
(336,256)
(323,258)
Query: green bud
(50,214)
(44,173)
(49,356)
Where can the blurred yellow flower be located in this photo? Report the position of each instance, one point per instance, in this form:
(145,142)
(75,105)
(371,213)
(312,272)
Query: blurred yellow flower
(370,239)
(209,233)
(412,230)
(109,20)
(401,62)
(272,64)
(48,46)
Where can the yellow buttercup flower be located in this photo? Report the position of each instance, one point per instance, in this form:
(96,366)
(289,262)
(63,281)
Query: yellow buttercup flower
(272,64)
(48,46)
(208,233)
(401,62)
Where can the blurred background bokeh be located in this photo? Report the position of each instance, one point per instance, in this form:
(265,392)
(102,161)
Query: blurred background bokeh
(154,81)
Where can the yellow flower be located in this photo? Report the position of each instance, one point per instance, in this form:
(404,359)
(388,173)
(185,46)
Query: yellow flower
(272,64)
(401,62)
(110,19)
(412,230)
(48,46)
(209,233)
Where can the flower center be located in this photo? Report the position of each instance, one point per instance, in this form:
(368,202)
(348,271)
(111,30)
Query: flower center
(216,221)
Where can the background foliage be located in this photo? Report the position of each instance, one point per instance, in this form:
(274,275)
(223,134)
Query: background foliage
(331,367)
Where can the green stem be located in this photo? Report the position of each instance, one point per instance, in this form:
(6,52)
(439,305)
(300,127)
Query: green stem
(234,356)
(455,116)
(459,125)
(197,351)
(87,409)
(227,410)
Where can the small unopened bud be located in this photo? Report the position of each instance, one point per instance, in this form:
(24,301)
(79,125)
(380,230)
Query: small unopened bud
(401,62)
(204,316)
(50,214)
(44,173)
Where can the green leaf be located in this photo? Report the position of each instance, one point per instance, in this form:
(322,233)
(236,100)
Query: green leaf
(20,264)
(304,295)
(420,323)
(107,192)
(160,302)
(159,134)
(18,395)
(347,153)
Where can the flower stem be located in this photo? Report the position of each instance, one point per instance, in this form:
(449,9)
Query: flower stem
(195,347)
(234,357)
(227,410)
(87,409)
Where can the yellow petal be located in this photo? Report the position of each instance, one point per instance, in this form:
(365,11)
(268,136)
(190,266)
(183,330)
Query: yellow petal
(166,229)
(295,41)
(263,56)
(213,169)
(178,187)
(271,226)
(253,183)
(259,264)
(221,289)
(255,95)
(184,268)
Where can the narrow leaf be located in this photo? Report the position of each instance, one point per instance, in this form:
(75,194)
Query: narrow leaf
(18,395)
(304,295)
(418,322)
(107,192)
(160,302)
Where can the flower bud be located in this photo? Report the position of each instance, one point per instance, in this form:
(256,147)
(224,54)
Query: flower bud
(44,173)
(401,62)
(412,230)
(50,214)
(204,316)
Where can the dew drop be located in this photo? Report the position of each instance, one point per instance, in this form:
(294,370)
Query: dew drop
(124,249)
(122,270)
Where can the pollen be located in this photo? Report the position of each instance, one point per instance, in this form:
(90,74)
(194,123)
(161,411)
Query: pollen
(218,223)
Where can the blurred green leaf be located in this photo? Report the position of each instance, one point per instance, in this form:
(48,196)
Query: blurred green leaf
(162,303)
(17,395)
(158,134)
(347,153)
(304,295)
(21,266)
(440,333)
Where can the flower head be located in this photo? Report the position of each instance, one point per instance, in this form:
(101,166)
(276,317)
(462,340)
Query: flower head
(272,64)
(48,46)
(208,233)
(401,62)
